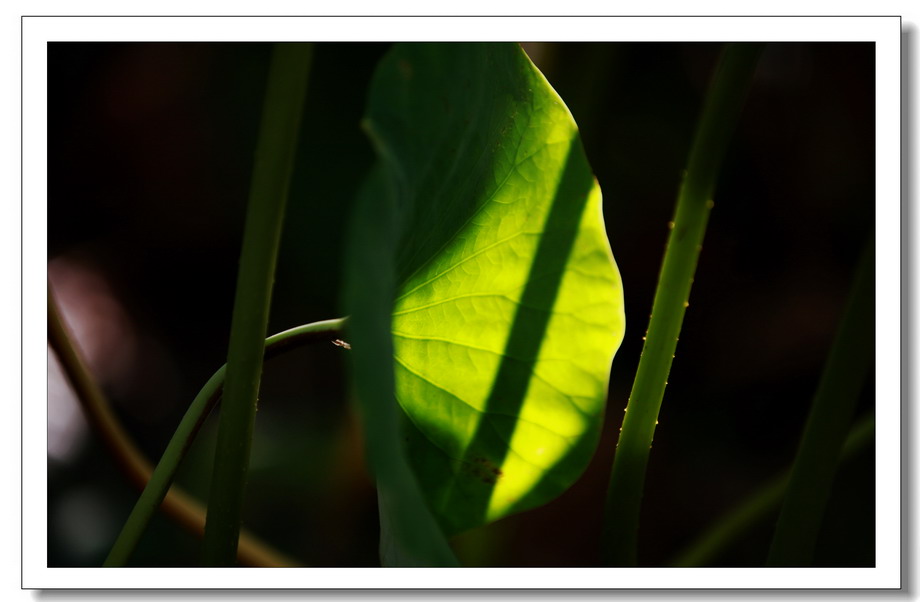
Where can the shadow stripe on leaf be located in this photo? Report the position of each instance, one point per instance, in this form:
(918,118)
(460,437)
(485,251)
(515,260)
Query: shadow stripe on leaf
(494,199)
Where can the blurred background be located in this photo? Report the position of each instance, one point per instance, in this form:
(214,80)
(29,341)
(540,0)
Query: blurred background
(150,153)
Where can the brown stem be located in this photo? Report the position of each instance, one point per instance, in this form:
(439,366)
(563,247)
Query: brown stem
(178,505)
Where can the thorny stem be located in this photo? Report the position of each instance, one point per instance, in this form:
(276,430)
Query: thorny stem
(723,106)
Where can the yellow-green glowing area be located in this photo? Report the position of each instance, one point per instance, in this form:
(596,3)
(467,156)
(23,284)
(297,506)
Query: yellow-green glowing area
(568,389)
(451,331)
(510,306)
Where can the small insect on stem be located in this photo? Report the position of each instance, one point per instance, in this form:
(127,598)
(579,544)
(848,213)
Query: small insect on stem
(341,343)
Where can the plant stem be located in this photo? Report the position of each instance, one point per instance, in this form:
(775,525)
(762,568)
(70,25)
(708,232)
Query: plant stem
(756,507)
(178,505)
(831,415)
(159,482)
(723,105)
(91,398)
(274,161)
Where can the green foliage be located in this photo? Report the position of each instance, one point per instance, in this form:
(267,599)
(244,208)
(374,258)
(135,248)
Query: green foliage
(410,536)
(509,305)
(485,309)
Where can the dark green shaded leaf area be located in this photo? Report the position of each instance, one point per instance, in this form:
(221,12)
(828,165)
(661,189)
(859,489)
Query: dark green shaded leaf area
(483,292)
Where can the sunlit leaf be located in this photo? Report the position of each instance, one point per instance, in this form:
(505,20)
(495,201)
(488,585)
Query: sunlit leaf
(410,534)
(509,305)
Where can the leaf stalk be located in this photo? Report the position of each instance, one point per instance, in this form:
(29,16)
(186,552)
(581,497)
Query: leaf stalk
(158,484)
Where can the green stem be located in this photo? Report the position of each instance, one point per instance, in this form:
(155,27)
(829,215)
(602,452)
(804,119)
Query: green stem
(723,105)
(755,508)
(164,473)
(831,415)
(178,505)
(274,161)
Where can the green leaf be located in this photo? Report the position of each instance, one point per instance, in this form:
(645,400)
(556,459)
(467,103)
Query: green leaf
(509,305)
(411,536)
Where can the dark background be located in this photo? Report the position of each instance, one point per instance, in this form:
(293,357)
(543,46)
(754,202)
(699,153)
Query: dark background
(150,152)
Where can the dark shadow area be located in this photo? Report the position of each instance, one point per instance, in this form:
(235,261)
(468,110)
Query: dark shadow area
(496,428)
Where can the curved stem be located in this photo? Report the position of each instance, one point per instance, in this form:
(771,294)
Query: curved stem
(204,402)
(627,479)
(274,164)
(94,404)
(178,505)
(756,507)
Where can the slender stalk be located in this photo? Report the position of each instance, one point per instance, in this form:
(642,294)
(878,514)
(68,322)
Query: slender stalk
(274,160)
(723,105)
(204,402)
(831,414)
(755,508)
(91,398)
(178,505)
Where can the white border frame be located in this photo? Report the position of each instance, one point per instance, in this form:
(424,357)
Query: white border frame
(884,31)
